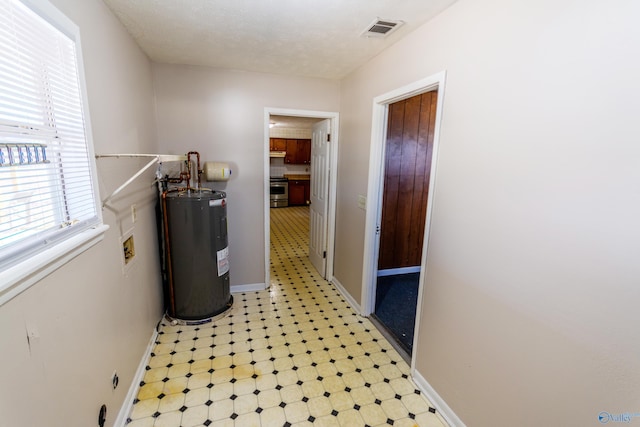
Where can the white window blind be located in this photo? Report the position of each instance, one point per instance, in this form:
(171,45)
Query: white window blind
(46,187)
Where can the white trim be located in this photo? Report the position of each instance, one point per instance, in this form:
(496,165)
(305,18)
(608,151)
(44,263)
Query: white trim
(333,178)
(252,287)
(373,209)
(375,189)
(430,202)
(266,202)
(346,295)
(55,17)
(398,271)
(331,208)
(376,175)
(88,128)
(441,406)
(20,277)
(134,387)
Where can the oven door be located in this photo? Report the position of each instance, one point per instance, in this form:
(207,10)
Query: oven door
(279,193)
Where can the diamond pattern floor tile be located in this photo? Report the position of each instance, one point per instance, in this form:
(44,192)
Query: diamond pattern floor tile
(293,355)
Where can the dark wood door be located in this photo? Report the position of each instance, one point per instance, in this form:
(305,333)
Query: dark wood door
(408,156)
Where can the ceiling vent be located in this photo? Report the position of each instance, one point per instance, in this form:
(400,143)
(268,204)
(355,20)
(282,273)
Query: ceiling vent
(381,28)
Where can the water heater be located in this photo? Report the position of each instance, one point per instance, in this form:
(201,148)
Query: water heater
(195,260)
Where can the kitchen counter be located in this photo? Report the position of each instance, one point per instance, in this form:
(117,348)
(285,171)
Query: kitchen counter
(298,177)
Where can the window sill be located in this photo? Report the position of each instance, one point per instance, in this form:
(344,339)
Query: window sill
(22,276)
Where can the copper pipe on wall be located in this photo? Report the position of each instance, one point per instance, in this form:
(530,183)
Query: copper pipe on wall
(198,170)
(185,176)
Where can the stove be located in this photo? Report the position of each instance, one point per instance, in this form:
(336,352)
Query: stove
(278,192)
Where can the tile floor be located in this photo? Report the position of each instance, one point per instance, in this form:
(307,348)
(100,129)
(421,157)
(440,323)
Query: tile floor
(293,355)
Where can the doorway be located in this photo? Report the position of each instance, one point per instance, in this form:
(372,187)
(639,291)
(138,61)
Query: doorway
(376,258)
(407,170)
(320,174)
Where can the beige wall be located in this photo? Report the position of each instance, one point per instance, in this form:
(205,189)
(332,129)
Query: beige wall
(530,311)
(220,113)
(91,318)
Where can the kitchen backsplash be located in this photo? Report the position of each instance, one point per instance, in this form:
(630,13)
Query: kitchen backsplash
(290,133)
(277,167)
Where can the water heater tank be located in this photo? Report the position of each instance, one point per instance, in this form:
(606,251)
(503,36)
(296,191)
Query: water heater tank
(196,254)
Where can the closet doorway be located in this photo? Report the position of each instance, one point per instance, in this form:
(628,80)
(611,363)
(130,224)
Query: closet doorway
(402,164)
(408,155)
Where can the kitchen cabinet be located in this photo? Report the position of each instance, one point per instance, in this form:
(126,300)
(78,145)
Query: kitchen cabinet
(298,151)
(277,144)
(292,151)
(304,151)
(299,192)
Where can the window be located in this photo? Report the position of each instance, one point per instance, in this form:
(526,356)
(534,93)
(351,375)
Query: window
(48,191)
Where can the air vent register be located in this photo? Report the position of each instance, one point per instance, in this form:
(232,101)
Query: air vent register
(381,28)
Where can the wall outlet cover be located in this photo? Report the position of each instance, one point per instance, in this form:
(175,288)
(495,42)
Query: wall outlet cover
(362,202)
(128,251)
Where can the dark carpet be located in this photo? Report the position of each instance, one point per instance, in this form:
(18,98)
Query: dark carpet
(396,300)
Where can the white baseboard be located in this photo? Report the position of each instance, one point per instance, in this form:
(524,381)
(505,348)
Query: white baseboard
(441,406)
(346,295)
(125,410)
(252,287)
(396,271)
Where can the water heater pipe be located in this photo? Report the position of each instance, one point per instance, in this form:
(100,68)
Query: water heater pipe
(198,170)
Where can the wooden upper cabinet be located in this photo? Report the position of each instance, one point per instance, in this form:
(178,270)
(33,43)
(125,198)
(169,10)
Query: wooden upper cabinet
(304,151)
(292,151)
(298,151)
(277,144)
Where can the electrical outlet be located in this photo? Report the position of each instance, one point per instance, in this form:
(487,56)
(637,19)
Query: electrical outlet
(362,202)
(114,380)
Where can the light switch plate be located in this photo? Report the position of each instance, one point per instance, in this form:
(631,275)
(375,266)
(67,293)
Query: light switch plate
(362,202)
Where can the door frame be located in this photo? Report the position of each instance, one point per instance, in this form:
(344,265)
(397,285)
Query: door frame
(332,188)
(376,187)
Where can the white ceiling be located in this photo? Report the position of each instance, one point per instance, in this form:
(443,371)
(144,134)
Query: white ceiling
(315,38)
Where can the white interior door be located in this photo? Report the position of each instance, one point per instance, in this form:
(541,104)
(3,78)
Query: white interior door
(320,144)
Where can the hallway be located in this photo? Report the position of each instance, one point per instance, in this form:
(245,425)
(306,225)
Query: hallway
(293,355)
